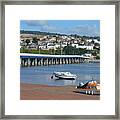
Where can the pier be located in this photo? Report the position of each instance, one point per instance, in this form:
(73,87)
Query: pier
(28,60)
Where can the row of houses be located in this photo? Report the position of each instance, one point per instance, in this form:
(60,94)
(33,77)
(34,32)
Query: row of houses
(55,42)
(56,46)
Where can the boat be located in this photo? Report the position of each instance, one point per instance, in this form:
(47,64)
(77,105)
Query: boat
(89,84)
(65,75)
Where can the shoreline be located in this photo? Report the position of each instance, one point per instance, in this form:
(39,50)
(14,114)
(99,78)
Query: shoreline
(46,92)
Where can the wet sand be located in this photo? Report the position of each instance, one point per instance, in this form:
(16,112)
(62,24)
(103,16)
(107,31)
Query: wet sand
(44,92)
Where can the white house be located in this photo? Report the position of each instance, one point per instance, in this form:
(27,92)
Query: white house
(75,45)
(88,54)
(89,40)
(85,47)
(96,41)
(51,47)
(57,45)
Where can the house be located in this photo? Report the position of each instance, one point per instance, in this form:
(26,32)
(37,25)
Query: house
(75,45)
(33,46)
(50,46)
(86,47)
(96,41)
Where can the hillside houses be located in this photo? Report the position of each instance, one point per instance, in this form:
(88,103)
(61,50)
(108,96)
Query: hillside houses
(56,42)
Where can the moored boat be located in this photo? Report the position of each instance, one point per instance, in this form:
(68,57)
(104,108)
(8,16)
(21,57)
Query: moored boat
(89,84)
(65,75)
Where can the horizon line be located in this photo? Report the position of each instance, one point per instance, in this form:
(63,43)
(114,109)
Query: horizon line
(60,33)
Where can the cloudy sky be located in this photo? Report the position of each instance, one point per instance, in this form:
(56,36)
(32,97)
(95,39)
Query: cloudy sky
(80,27)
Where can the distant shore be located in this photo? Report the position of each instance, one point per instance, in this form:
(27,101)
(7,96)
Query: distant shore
(45,92)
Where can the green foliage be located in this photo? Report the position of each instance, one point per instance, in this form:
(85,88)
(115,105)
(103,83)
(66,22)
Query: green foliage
(97,57)
(34,51)
(58,51)
(35,40)
(95,52)
(27,41)
(69,50)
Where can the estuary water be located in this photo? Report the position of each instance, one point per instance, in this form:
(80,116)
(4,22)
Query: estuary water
(42,74)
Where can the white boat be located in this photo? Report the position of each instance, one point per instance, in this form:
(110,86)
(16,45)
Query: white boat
(65,75)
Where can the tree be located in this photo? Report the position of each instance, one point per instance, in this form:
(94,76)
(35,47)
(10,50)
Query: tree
(82,51)
(35,40)
(68,50)
(97,57)
(94,52)
(27,41)
(58,51)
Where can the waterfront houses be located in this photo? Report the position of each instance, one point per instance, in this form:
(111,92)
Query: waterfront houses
(52,43)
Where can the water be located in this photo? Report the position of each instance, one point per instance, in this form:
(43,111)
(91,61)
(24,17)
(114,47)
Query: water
(42,74)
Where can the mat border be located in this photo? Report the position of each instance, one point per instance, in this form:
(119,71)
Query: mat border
(56,2)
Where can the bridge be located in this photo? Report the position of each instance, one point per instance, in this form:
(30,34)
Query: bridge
(43,59)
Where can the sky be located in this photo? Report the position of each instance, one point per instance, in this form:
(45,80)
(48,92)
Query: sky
(80,27)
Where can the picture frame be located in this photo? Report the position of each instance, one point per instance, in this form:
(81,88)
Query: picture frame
(70,2)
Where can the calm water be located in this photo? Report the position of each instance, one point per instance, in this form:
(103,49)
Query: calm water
(42,74)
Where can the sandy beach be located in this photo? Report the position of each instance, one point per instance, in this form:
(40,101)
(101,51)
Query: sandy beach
(45,92)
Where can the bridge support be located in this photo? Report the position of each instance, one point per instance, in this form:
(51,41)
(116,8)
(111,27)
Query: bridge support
(27,62)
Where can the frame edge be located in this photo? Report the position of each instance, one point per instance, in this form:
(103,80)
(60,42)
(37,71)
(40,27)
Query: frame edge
(2,64)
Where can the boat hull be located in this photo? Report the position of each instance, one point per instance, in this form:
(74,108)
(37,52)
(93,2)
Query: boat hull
(65,77)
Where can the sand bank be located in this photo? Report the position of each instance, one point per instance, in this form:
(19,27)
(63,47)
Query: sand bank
(45,92)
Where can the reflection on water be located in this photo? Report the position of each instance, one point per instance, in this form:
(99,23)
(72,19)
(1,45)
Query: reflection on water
(66,82)
(42,74)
